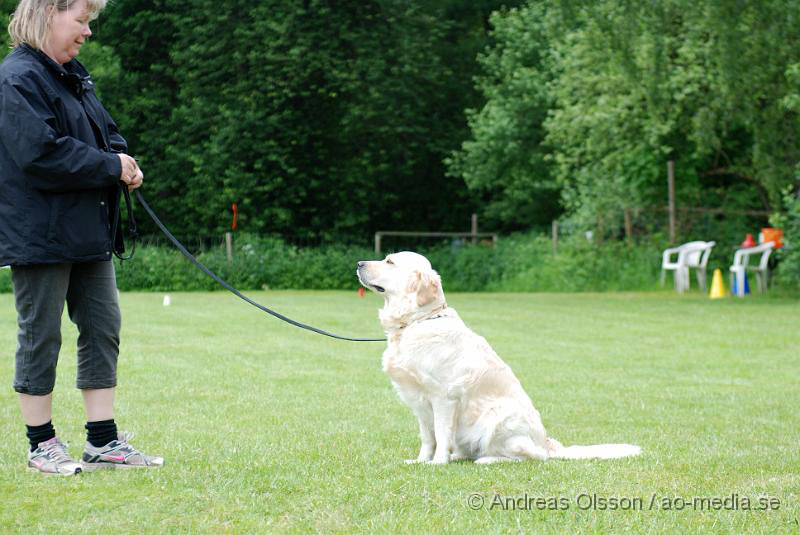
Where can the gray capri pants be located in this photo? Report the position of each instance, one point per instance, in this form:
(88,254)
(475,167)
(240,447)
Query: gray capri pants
(90,291)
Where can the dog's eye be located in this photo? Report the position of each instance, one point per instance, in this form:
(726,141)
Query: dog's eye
(389,262)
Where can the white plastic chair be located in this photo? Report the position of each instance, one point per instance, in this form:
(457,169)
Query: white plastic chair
(740,266)
(693,254)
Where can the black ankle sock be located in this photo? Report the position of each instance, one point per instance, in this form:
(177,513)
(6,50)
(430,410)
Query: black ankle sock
(40,433)
(101,433)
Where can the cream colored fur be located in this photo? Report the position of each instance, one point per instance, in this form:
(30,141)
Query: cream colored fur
(469,403)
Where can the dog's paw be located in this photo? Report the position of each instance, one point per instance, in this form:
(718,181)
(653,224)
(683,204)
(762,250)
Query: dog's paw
(492,460)
(413,461)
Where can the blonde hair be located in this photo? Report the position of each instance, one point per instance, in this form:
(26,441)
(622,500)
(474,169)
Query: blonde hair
(30,22)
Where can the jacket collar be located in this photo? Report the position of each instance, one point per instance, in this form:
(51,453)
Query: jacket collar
(73,73)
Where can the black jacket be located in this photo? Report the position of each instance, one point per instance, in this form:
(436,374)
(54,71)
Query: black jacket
(59,176)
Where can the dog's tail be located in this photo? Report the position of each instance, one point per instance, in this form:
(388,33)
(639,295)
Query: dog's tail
(597,451)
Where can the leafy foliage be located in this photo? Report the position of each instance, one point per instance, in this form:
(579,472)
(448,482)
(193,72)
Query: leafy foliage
(325,121)
(321,120)
(518,263)
(789,255)
(505,161)
(615,89)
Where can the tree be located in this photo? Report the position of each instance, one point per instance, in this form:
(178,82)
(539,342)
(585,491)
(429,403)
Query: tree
(701,83)
(7,7)
(606,92)
(505,161)
(321,119)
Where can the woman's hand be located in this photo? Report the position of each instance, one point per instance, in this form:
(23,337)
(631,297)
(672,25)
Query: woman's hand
(136,181)
(131,174)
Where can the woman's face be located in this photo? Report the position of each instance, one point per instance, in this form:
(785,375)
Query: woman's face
(68,31)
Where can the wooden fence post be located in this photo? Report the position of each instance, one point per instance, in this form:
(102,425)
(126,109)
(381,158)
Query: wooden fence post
(671,198)
(474,229)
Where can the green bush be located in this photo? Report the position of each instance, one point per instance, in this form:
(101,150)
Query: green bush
(789,256)
(526,263)
(5,281)
(518,263)
(522,262)
(258,263)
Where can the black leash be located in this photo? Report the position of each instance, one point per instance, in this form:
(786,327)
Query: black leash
(132,232)
(187,254)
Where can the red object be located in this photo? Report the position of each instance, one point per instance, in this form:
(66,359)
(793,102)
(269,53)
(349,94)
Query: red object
(235,216)
(361,292)
(773,235)
(748,241)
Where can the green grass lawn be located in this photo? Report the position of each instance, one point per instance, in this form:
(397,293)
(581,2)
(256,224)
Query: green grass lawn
(267,428)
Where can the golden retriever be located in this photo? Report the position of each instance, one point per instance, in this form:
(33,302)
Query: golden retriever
(469,403)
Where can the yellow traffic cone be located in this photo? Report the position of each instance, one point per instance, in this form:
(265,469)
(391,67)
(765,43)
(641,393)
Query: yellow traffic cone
(717,286)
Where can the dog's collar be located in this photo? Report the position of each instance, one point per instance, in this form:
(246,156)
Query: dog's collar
(438,313)
(397,329)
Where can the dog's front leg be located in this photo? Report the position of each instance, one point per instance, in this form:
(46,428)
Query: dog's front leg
(444,412)
(424,414)
(427,438)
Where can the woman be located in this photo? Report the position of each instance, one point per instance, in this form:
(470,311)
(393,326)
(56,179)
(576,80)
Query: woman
(62,164)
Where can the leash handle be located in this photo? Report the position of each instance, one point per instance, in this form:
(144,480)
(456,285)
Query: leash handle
(132,231)
(233,290)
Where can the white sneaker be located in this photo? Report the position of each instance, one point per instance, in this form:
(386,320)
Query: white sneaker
(117,454)
(51,458)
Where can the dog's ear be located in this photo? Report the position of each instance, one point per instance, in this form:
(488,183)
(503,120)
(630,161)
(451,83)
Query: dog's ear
(414,282)
(427,288)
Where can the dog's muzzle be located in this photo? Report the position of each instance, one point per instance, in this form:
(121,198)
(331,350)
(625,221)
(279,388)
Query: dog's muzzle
(362,266)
